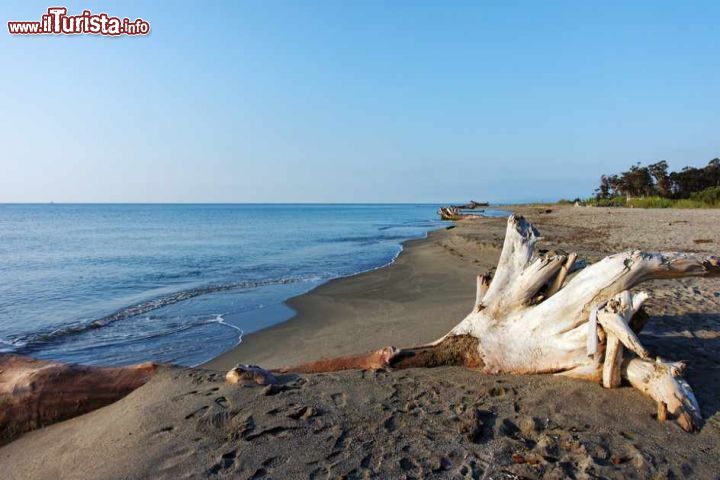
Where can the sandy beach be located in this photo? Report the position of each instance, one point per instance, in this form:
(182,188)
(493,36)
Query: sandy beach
(443,423)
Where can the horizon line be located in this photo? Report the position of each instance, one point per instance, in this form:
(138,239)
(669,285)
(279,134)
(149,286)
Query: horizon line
(269,203)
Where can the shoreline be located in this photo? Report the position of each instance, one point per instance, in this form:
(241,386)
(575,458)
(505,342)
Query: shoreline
(231,357)
(286,304)
(379,307)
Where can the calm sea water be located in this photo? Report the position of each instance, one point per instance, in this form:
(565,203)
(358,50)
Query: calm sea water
(118,284)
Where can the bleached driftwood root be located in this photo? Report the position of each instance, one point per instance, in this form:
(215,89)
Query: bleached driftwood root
(453,213)
(533,318)
(450,213)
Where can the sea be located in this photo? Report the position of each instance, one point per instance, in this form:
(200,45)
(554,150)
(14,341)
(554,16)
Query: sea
(115,284)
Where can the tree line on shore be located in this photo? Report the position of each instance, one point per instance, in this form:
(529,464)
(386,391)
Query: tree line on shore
(655,185)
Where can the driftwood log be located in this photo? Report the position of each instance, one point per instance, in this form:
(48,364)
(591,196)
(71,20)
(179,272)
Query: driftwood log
(449,213)
(532,318)
(454,213)
(35,393)
(472,205)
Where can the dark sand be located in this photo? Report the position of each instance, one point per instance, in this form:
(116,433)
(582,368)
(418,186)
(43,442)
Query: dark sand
(439,423)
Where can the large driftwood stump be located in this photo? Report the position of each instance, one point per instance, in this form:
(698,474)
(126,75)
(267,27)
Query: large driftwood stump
(532,318)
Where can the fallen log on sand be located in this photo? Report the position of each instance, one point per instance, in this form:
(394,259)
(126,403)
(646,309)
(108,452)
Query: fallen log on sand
(454,213)
(533,318)
(36,393)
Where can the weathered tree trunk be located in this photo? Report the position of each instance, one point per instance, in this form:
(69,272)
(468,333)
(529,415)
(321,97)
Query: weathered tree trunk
(528,320)
(35,393)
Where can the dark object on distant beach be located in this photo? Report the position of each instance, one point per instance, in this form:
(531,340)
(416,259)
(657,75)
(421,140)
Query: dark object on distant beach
(35,393)
(472,205)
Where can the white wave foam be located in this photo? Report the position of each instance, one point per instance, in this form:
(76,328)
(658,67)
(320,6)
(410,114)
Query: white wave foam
(221,321)
(9,346)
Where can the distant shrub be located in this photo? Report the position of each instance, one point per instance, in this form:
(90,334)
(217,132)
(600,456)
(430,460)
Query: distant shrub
(650,202)
(687,203)
(606,202)
(710,197)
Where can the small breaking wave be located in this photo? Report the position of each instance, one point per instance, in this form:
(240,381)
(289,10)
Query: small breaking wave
(6,347)
(30,341)
(365,239)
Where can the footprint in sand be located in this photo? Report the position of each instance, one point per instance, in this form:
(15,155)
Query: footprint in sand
(339,399)
(390,423)
(226,461)
(211,391)
(408,465)
(259,473)
(196,412)
(497,391)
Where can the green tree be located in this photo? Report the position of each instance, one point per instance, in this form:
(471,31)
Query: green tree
(637,181)
(659,173)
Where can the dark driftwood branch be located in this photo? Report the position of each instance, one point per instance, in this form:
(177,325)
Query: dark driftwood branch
(35,393)
(460,350)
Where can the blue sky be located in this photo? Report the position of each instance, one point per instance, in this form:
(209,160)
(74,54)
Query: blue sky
(356,101)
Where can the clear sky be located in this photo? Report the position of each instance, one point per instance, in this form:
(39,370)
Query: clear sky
(356,101)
